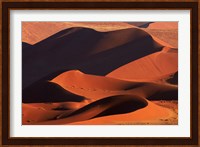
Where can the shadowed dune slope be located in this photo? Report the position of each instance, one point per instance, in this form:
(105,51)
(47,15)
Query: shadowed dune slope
(24,45)
(140,24)
(157,66)
(118,104)
(173,79)
(87,50)
(48,92)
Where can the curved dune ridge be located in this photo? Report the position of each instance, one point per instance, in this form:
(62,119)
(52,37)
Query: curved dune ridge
(151,114)
(97,87)
(104,107)
(140,24)
(104,96)
(48,92)
(165,31)
(157,66)
(99,74)
(34,32)
(85,49)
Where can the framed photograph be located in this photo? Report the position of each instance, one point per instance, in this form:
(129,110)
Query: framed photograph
(100,73)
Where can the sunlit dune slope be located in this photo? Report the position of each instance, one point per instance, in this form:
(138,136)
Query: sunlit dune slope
(33,114)
(87,50)
(165,31)
(163,25)
(154,67)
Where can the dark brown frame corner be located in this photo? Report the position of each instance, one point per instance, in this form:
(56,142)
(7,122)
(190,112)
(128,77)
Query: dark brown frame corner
(7,6)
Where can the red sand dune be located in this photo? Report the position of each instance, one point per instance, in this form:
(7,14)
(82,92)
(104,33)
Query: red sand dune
(168,38)
(34,32)
(103,107)
(105,96)
(33,114)
(165,31)
(92,114)
(39,112)
(97,87)
(97,76)
(96,53)
(163,25)
(151,114)
(154,67)
(140,24)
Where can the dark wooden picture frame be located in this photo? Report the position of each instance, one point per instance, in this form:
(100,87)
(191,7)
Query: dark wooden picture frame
(7,140)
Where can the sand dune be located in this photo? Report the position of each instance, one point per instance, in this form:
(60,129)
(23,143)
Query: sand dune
(104,107)
(103,96)
(40,112)
(170,37)
(48,92)
(165,31)
(173,79)
(154,67)
(93,115)
(32,114)
(34,32)
(140,24)
(97,87)
(163,25)
(99,73)
(151,114)
(96,53)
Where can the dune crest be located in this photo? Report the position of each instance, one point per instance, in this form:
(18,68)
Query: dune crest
(97,87)
(104,107)
(107,50)
(154,67)
(151,114)
(34,32)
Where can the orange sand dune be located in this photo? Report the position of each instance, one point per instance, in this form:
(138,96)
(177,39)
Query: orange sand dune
(154,67)
(165,31)
(107,106)
(110,111)
(109,74)
(151,114)
(163,25)
(38,112)
(140,24)
(33,114)
(48,92)
(97,87)
(96,53)
(168,37)
(34,32)
(104,97)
